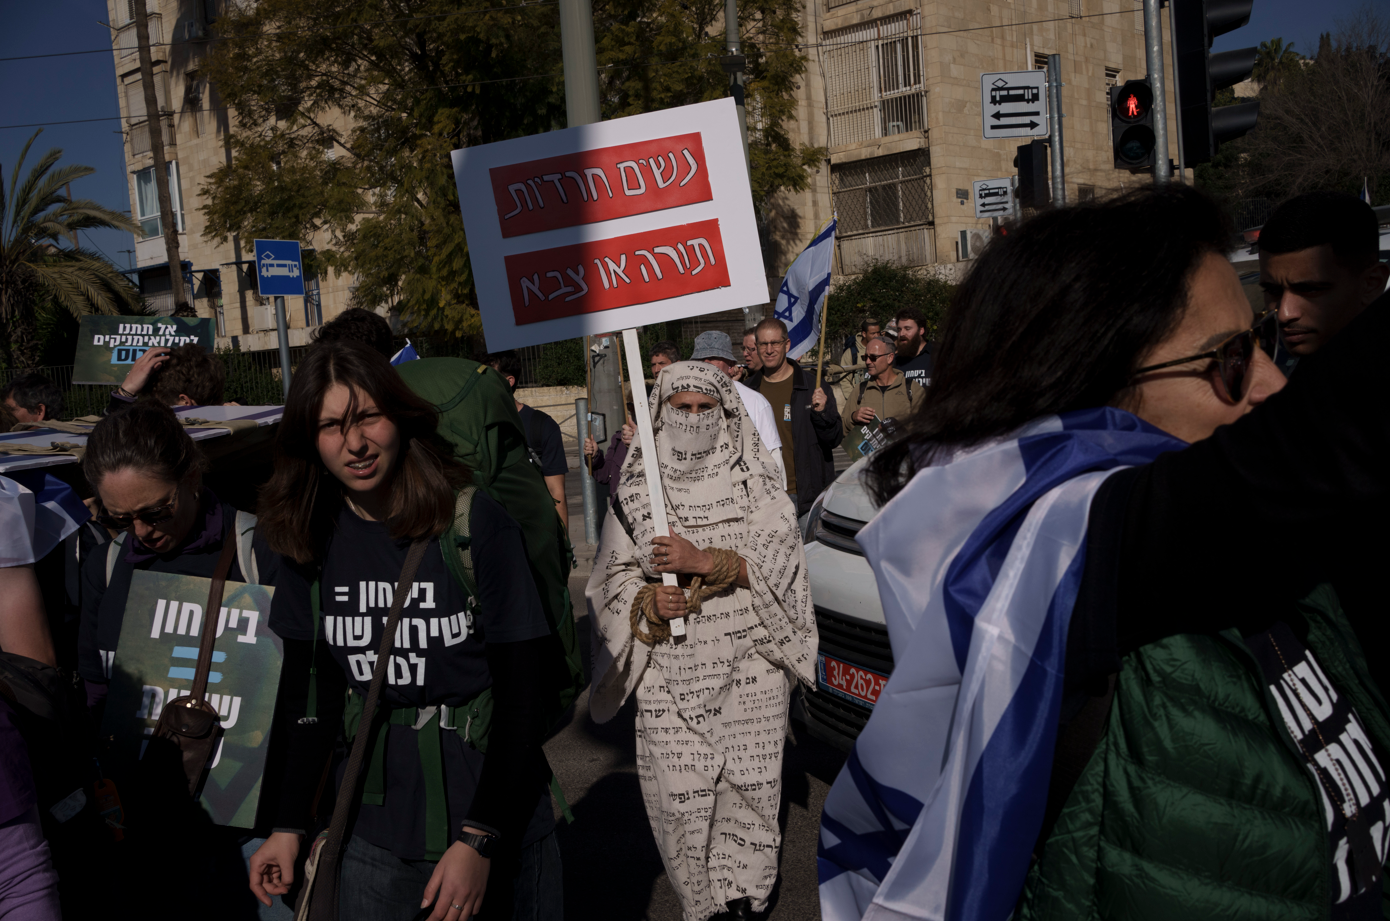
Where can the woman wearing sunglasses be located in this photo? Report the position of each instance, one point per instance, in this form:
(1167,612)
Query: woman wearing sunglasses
(147,475)
(1132,689)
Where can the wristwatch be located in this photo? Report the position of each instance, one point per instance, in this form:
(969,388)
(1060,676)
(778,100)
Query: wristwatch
(483,844)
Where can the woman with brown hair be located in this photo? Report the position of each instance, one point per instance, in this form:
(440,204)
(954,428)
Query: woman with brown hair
(359,476)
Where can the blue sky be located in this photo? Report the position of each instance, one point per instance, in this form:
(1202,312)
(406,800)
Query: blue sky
(83,86)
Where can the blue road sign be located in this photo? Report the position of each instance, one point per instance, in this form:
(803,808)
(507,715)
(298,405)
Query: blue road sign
(279,270)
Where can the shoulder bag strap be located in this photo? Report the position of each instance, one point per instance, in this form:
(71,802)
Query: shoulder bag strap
(245,526)
(324,906)
(113,554)
(219,581)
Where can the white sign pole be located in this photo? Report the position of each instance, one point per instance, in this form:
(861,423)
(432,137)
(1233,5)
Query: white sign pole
(647,439)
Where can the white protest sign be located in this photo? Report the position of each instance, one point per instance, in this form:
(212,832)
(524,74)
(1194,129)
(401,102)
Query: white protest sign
(610,226)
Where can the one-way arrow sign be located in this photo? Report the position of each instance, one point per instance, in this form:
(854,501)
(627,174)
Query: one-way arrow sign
(993,197)
(1014,104)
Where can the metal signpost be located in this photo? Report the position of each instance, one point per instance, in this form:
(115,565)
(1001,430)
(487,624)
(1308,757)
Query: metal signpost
(1054,134)
(280,274)
(1014,104)
(994,197)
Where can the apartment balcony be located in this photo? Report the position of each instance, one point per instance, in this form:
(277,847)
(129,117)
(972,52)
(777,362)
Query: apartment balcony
(906,246)
(127,45)
(140,136)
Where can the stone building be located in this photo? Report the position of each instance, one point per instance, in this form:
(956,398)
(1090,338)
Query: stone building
(219,277)
(892,89)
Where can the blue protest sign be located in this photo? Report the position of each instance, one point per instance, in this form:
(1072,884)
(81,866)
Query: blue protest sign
(279,270)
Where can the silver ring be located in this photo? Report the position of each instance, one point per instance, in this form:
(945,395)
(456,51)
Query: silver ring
(457,907)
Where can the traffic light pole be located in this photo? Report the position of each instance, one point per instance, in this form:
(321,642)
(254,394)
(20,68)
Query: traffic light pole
(1177,91)
(1153,54)
(1054,129)
(582,108)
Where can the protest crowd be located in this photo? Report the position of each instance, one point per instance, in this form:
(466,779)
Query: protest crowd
(1125,546)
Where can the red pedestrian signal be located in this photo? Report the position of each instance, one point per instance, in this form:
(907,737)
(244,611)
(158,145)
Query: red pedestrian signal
(1131,125)
(1132,106)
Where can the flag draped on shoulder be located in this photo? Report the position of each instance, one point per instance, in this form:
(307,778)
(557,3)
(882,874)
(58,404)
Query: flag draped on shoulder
(37,513)
(801,299)
(978,562)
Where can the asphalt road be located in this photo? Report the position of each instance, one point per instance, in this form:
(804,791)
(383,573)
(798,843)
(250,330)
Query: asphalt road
(612,869)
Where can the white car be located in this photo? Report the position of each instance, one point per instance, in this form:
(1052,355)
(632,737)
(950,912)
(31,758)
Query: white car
(855,659)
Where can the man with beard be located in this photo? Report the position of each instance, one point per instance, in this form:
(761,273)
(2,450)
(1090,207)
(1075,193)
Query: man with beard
(1319,266)
(914,354)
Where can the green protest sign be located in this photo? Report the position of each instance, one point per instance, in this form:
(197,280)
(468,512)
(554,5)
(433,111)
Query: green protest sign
(154,663)
(108,346)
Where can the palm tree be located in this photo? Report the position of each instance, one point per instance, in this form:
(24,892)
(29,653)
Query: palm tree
(1272,58)
(36,219)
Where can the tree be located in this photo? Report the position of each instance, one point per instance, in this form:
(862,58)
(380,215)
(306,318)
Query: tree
(879,292)
(396,86)
(36,220)
(1323,125)
(1273,59)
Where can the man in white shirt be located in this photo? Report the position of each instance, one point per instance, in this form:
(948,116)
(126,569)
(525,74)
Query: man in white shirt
(717,349)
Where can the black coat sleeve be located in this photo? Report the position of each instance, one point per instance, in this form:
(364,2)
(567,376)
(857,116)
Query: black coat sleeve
(515,768)
(827,424)
(307,746)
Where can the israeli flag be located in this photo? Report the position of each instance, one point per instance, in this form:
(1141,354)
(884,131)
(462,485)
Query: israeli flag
(978,562)
(37,513)
(802,296)
(406,354)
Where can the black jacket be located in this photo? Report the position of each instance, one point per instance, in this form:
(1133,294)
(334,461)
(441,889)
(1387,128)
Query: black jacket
(814,437)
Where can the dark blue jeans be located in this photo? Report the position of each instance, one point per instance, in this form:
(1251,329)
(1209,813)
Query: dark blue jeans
(377,886)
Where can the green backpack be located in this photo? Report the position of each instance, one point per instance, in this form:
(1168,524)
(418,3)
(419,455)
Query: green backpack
(477,415)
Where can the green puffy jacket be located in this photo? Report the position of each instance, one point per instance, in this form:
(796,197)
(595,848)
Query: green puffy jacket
(1196,802)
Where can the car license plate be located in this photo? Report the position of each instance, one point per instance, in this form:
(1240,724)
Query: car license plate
(849,681)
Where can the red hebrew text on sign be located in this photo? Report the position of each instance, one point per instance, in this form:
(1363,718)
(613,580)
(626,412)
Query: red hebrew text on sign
(599,185)
(617,272)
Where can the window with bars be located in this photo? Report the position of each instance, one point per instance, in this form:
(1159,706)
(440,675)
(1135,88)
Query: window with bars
(1040,60)
(1112,78)
(874,79)
(882,192)
(1074,8)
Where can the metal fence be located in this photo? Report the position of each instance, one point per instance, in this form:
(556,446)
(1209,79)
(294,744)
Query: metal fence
(253,379)
(883,192)
(874,79)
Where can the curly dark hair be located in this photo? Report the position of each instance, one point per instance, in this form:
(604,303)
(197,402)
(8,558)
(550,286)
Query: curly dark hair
(358,325)
(191,371)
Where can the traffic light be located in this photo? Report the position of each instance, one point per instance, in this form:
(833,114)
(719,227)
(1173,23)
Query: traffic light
(1200,74)
(1132,125)
(1033,169)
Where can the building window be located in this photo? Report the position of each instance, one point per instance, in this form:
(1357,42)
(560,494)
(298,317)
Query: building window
(1085,193)
(874,79)
(147,200)
(313,302)
(1112,78)
(135,96)
(1074,8)
(882,192)
(1040,60)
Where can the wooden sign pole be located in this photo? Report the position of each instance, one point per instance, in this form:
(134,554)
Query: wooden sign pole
(647,439)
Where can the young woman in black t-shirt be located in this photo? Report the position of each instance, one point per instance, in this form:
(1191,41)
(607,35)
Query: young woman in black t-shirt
(360,474)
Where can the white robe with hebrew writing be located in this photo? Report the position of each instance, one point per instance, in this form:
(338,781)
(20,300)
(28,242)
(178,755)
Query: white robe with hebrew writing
(711,711)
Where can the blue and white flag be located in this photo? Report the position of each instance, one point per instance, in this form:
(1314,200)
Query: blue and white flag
(37,513)
(1366,190)
(978,562)
(406,354)
(802,296)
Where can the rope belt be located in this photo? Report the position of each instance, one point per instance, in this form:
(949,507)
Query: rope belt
(726,569)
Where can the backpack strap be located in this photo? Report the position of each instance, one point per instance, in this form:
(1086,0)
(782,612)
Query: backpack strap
(311,703)
(456,540)
(113,553)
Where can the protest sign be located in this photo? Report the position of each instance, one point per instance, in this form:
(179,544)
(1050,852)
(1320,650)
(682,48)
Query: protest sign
(612,225)
(108,346)
(154,663)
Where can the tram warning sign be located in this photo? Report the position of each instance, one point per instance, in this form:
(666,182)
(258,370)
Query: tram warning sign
(1014,104)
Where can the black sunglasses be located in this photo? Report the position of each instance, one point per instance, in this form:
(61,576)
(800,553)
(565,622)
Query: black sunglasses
(1234,355)
(152,516)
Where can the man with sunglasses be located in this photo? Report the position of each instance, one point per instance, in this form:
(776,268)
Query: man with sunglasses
(807,417)
(886,396)
(1320,266)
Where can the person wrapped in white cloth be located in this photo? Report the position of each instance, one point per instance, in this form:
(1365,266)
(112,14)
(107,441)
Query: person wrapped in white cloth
(711,710)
